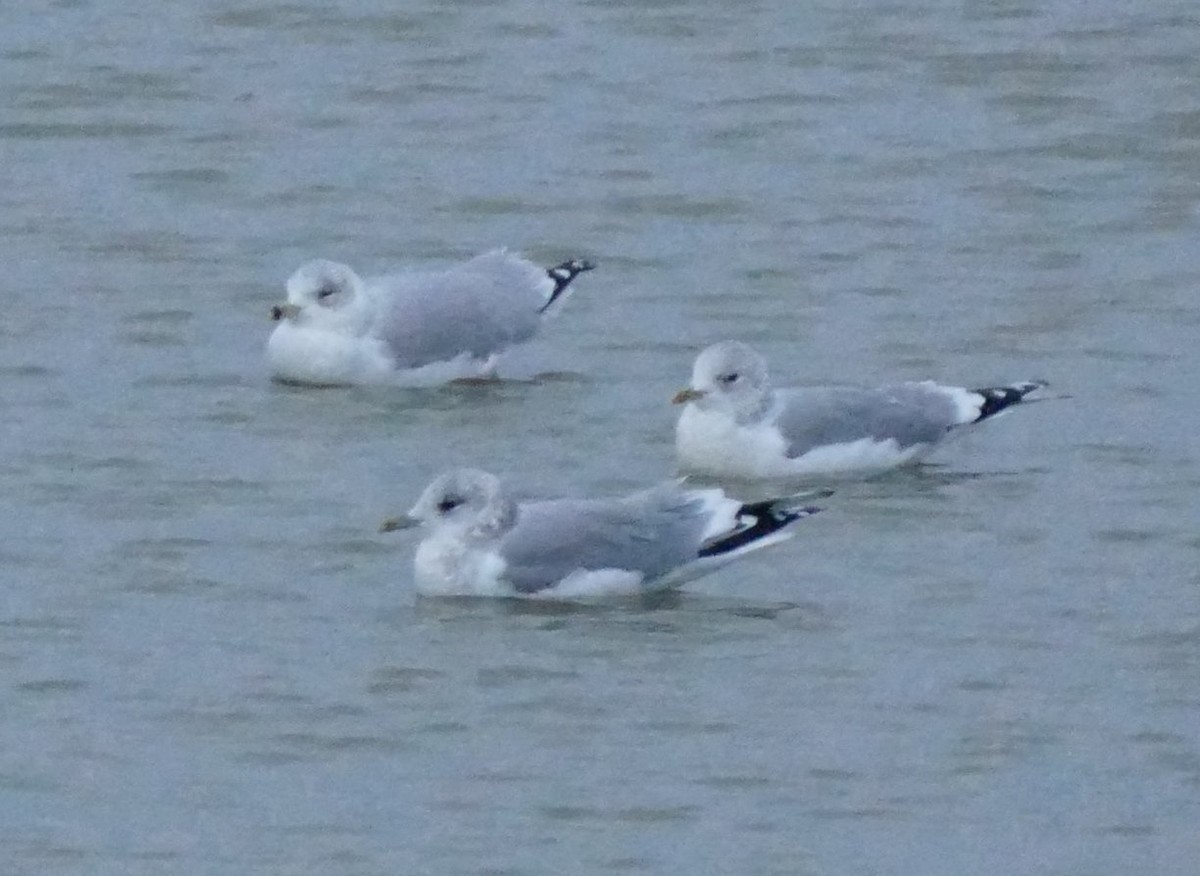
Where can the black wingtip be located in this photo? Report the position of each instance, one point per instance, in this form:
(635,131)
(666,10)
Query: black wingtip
(760,519)
(1000,398)
(562,275)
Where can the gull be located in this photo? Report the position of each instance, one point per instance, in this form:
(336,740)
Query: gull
(735,425)
(413,328)
(482,542)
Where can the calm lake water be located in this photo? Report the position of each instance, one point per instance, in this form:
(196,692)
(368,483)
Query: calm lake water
(211,663)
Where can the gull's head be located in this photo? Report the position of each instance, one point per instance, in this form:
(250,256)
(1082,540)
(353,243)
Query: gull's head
(465,500)
(730,377)
(324,294)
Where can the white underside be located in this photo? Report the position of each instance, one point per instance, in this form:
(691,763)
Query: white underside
(580,585)
(446,565)
(706,565)
(325,358)
(967,402)
(712,443)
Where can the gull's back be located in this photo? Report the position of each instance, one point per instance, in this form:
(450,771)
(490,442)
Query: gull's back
(480,308)
(910,414)
(650,533)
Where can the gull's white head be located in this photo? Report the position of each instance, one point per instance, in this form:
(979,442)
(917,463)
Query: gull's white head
(731,377)
(325,295)
(468,501)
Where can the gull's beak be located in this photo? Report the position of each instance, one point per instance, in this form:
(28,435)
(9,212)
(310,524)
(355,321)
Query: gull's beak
(687,395)
(404,521)
(281,311)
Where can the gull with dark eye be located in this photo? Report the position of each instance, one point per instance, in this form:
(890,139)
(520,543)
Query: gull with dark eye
(482,542)
(415,327)
(734,424)
(448,504)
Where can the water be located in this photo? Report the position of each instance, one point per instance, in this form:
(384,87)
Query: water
(213,664)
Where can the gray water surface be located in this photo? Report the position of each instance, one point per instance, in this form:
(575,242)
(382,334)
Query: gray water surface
(211,663)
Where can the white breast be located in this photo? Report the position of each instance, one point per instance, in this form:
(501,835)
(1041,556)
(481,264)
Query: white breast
(315,356)
(710,442)
(446,566)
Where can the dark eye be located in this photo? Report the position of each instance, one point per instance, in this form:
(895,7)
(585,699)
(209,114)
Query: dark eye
(325,292)
(726,379)
(448,504)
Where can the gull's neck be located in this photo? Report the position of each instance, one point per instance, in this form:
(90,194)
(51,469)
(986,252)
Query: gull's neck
(767,404)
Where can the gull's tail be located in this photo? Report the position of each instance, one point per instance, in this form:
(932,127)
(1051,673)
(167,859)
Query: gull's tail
(757,523)
(997,399)
(562,275)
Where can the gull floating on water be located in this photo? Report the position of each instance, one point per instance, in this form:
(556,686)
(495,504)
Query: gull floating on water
(735,425)
(415,328)
(483,543)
